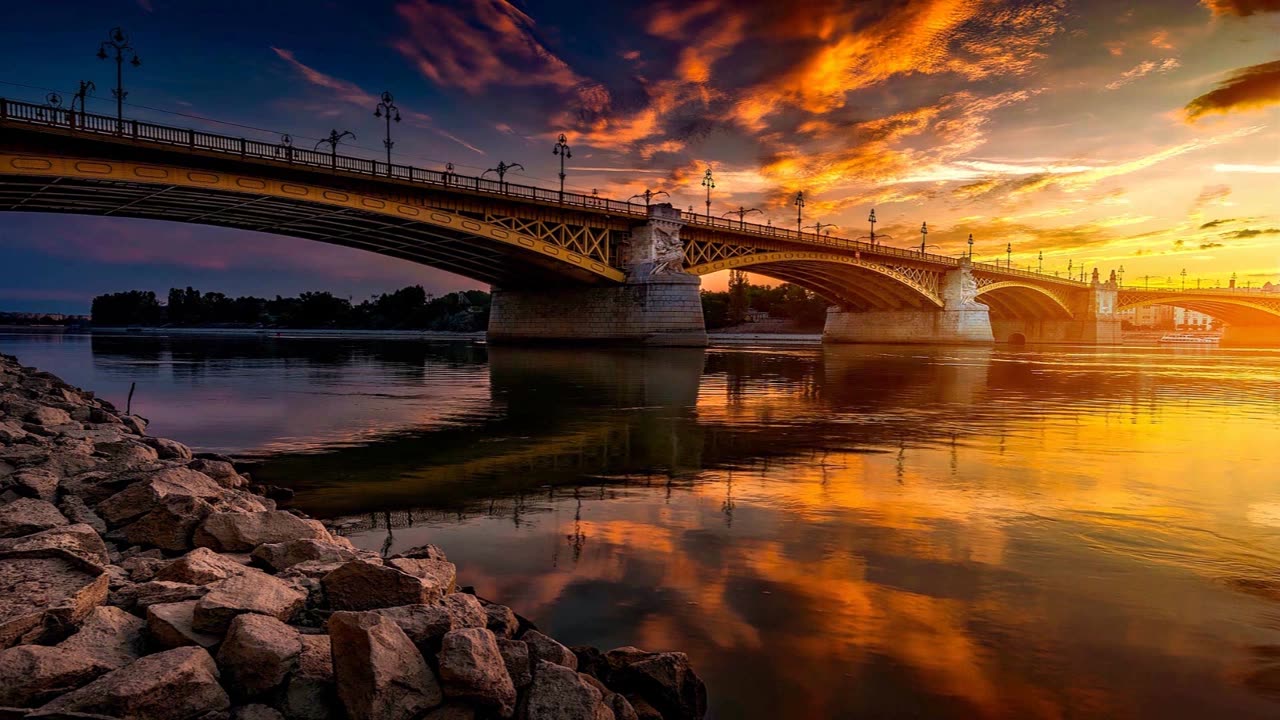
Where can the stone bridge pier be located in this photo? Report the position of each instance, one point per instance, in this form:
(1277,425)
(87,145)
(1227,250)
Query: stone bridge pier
(659,304)
(1093,320)
(960,320)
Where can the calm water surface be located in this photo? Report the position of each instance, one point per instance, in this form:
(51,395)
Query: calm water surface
(829,532)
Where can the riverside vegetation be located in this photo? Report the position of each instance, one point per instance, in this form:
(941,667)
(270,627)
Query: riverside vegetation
(140,580)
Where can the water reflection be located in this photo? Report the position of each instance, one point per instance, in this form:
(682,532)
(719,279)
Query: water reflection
(830,532)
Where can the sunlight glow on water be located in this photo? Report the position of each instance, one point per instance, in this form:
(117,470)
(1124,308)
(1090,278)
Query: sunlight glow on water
(829,532)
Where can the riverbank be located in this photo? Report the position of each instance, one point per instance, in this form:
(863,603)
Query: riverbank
(140,580)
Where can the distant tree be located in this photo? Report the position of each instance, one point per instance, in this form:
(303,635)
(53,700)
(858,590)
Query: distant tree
(135,307)
(739,299)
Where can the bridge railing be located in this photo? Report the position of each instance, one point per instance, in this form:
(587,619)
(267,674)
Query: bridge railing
(139,131)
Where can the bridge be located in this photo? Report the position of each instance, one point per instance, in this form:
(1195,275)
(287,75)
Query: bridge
(563,266)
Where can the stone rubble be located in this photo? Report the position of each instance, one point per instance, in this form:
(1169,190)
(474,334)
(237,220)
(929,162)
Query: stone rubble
(140,580)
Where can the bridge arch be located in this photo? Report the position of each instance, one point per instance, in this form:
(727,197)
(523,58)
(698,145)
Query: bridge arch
(844,280)
(1230,309)
(1019,299)
(293,205)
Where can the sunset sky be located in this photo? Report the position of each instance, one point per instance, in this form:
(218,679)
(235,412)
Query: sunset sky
(1142,134)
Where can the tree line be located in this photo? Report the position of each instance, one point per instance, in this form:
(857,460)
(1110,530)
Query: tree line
(409,308)
(803,308)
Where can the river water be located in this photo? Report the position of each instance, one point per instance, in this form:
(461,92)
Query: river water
(831,532)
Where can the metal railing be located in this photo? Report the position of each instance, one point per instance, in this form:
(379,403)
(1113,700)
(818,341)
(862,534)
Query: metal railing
(190,139)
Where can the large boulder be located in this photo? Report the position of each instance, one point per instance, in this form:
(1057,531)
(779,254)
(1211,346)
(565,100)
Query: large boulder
(222,472)
(110,636)
(244,531)
(422,552)
(172,685)
(169,449)
(44,594)
(255,592)
(361,585)
(472,668)
(311,694)
(380,675)
(31,675)
(440,575)
(170,523)
(515,655)
(48,416)
(156,592)
(426,624)
(201,567)
(172,625)
(501,620)
(80,540)
(258,654)
(664,680)
(542,647)
(558,693)
(25,516)
(145,495)
(38,483)
(75,510)
(284,555)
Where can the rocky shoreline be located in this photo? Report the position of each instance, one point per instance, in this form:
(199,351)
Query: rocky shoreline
(138,580)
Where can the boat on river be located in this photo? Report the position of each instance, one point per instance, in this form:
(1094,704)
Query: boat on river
(1188,339)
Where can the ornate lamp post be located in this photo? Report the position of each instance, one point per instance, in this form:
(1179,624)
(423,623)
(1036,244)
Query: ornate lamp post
(924,233)
(332,141)
(648,196)
(501,170)
(86,87)
(742,214)
(709,183)
(119,43)
(872,219)
(562,149)
(449,174)
(818,226)
(1184,278)
(970,247)
(388,108)
(799,203)
(1040,262)
(1008,257)
(1120,275)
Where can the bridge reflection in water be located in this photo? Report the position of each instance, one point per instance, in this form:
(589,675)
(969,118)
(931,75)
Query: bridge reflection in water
(830,532)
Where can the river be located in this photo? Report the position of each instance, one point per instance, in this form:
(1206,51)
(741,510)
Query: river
(829,532)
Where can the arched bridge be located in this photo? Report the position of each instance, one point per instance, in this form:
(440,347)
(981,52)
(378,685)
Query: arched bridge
(563,265)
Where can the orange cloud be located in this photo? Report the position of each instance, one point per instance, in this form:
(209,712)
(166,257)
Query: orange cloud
(1249,88)
(1241,7)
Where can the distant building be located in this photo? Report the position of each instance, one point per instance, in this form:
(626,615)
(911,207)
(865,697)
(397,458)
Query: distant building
(1151,317)
(1191,320)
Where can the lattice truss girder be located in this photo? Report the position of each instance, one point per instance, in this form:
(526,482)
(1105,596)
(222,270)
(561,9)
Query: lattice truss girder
(1130,298)
(698,252)
(592,242)
(926,279)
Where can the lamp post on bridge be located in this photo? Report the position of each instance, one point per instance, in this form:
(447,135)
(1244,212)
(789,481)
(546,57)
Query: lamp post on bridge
(648,196)
(118,41)
(709,183)
(1008,256)
(1184,278)
(501,170)
(449,174)
(799,203)
(742,214)
(924,232)
(562,150)
(818,226)
(1040,263)
(332,141)
(970,247)
(388,108)
(872,237)
(86,87)
(1120,275)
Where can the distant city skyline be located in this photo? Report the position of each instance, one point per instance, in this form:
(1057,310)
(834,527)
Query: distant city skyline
(1140,134)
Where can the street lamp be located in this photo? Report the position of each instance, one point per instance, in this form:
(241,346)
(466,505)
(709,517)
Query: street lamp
(1184,278)
(86,87)
(924,232)
(799,203)
(873,227)
(709,183)
(742,214)
(562,149)
(817,227)
(502,172)
(1008,258)
(1120,275)
(1040,263)
(388,108)
(648,196)
(332,141)
(449,173)
(119,42)
(970,247)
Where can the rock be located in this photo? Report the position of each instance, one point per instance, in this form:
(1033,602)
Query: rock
(158,592)
(11,433)
(44,594)
(31,675)
(311,569)
(426,624)
(452,711)
(256,712)
(664,680)
(311,694)
(28,515)
(500,620)
(169,449)
(282,556)
(249,593)
(145,495)
(110,636)
(380,675)
(242,532)
(48,416)
(36,483)
(170,523)
(515,655)
(171,625)
(472,668)
(126,453)
(171,685)
(141,569)
(439,575)
(75,510)
(542,647)
(423,552)
(360,585)
(558,693)
(222,472)
(621,707)
(258,654)
(79,540)
(138,425)
(201,567)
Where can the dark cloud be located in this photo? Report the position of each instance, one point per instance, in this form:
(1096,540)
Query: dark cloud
(1241,7)
(1240,234)
(1216,223)
(1210,245)
(1247,89)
